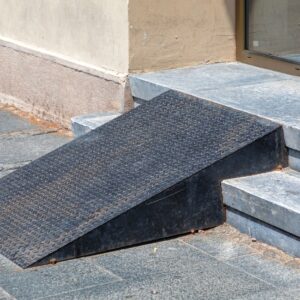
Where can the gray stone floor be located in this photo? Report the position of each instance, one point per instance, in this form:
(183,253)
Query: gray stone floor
(215,264)
(22,141)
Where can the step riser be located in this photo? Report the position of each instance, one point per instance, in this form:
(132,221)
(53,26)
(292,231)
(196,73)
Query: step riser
(294,160)
(264,232)
(271,213)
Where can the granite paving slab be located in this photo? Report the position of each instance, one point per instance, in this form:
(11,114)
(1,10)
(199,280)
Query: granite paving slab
(10,122)
(4,295)
(283,274)
(22,141)
(19,150)
(15,150)
(173,269)
(202,284)
(276,294)
(220,247)
(57,279)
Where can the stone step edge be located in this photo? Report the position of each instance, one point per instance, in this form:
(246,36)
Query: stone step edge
(257,204)
(86,123)
(294,159)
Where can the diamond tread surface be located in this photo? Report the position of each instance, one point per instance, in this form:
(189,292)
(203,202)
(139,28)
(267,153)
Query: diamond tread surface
(89,181)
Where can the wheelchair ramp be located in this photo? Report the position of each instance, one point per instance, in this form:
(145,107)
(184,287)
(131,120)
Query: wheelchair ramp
(152,173)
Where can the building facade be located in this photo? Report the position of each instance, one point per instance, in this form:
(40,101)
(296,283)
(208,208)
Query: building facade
(63,58)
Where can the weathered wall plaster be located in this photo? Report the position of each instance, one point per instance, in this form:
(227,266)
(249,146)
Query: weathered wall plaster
(61,58)
(94,32)
(57,92)
(177,33)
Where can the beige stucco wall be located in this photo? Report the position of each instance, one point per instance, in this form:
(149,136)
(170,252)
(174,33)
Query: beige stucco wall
(176,33)
(93,32)
(61,58)
(56,91)
(124,35)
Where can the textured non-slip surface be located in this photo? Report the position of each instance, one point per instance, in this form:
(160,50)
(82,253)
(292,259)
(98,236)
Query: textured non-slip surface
(84,184)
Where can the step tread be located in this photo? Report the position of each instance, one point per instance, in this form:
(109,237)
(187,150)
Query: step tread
(272,197)
(85,123)
(95,120)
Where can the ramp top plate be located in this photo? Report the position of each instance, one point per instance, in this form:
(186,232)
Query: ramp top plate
(91,180)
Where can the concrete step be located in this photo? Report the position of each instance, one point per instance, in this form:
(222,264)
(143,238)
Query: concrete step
(85,123)
(258,91)
(294,160)
(266,206)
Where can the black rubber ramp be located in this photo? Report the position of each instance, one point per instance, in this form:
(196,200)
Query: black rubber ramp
(152,173)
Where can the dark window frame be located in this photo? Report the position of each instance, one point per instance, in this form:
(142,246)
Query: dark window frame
(256,58)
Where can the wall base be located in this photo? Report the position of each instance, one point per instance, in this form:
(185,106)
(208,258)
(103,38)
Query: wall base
(57,89)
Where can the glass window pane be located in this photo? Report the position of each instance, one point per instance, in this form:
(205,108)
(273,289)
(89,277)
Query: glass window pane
(274,28)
